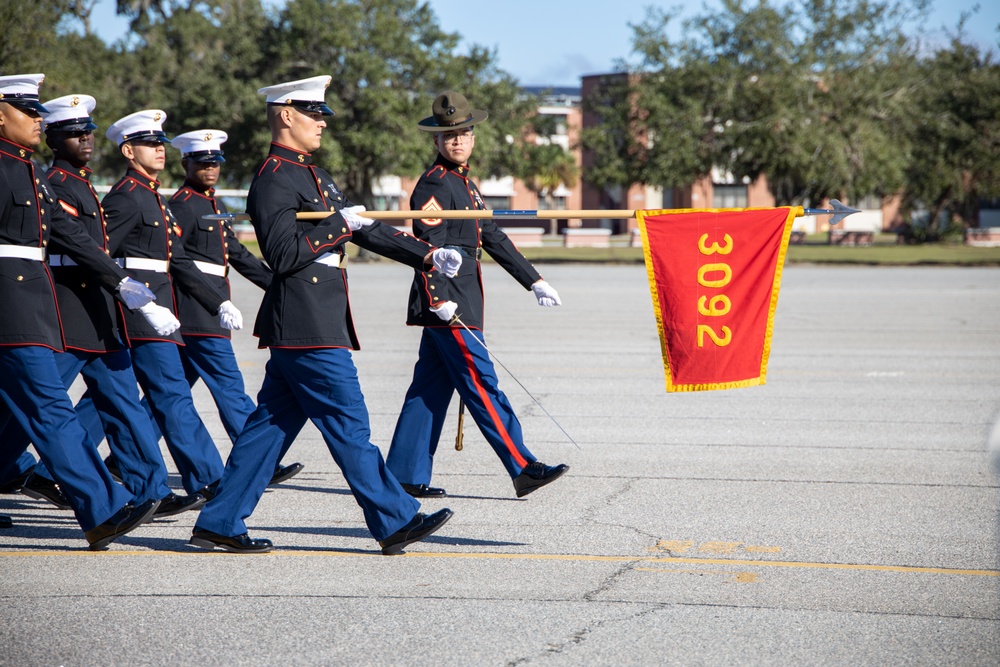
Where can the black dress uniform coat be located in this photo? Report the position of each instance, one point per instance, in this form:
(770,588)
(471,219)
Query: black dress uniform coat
(88,317)
(29,216)
(446,187)
(140,225)
(306,305)
(214,242)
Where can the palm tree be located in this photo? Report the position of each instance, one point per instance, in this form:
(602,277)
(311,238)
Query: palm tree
(548,166)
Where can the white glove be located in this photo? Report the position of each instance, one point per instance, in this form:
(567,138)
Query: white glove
(447,261)
(545,294)
(230,317)
(160,318)
(353,220)
(134,294)
(446,310)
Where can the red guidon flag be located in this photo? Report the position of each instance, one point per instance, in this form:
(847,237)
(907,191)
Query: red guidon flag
(714,276)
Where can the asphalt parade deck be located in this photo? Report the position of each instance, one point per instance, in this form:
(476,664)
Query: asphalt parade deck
(844,513)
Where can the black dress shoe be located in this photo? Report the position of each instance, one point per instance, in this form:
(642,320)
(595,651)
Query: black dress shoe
(285,473)
(125,520)
(40,488)
(111,463)
(14,484)
(6,521)
(537,475)
(175,504)
(239,544)
(209,491)
(424,491)
(417,529)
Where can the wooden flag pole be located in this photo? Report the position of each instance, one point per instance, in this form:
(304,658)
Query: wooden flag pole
(839,211)
(455,215)
(458,215)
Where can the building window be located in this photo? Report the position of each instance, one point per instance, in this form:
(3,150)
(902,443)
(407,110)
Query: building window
(869,203)
(497,203)
(551,203)
(383,203)
(729,196)
(668,198)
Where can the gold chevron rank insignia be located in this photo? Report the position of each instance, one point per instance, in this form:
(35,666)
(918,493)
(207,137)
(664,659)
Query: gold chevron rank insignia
(431,205)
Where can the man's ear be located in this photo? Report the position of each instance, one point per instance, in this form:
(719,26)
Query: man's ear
(127,150)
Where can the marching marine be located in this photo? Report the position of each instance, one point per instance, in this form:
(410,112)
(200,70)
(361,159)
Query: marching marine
(88,316)
(305,319)
(142,236)
(31,388)
(452,357)
(215,251)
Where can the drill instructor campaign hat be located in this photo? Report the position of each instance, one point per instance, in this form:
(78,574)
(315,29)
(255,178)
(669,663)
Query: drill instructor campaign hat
(451,112)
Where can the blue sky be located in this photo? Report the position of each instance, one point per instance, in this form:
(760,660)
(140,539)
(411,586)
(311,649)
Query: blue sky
(554,42)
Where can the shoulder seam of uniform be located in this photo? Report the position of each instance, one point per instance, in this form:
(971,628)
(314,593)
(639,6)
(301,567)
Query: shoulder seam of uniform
(16,157)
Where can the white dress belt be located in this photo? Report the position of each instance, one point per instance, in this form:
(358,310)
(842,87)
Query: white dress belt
(332,259)
(22,252)
(143,264)
(211,269)
(61,260)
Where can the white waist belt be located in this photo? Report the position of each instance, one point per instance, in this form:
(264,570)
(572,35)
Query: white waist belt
(143,264)
(22,252)
(211,269)
(61,260)
(333,259)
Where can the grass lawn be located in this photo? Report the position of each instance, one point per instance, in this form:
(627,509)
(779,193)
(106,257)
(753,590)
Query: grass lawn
(815,251)
(952,255)
(930,254)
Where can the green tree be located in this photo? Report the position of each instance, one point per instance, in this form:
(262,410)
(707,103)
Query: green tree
(614,148)
(50,36)
(102,77)
(29,34)
(201,62)
(141,12)
(546,165)
(955,135)
(807,92)
(82,10)
(388,60)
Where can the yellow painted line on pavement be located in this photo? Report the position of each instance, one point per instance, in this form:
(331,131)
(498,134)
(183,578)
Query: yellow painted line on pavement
(906,569)
(739,577)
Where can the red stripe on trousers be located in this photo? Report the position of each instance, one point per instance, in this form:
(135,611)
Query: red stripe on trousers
(481,390)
